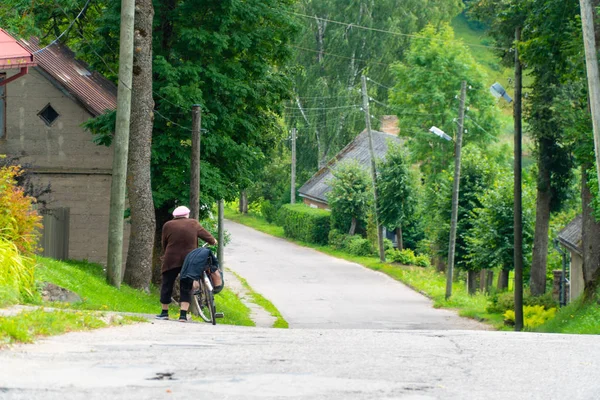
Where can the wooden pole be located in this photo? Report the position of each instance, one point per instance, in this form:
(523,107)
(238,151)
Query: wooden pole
(518,203)
(114,266)
(373,167)
(455,189)
(593,76)
(195,163)
(293,184)
(221,234)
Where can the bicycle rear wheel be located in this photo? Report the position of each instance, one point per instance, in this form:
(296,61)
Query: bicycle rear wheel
(199,302)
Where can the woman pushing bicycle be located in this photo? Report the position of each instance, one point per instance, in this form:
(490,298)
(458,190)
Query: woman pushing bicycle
(179,238)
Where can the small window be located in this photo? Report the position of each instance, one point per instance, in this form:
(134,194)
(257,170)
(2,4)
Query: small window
(2,107)
(48,115)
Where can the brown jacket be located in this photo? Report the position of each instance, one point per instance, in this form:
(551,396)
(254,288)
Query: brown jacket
(179,237)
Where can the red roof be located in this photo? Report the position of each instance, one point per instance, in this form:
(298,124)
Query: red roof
(12,54)
(96,93)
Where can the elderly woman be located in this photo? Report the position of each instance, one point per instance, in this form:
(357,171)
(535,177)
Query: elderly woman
(179,237)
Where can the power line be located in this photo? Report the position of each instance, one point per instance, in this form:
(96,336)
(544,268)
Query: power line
(386,31)
(379,84)
(339,56)
(66,30)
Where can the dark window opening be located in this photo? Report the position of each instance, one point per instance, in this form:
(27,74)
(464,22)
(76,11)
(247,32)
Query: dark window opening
(48,115)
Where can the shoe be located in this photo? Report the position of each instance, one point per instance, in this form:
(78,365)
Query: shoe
(162,316)
(181,319)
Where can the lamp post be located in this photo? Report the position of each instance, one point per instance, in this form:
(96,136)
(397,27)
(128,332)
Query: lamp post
(498,91)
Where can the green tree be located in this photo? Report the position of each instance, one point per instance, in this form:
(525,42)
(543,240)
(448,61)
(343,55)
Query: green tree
(396,194)
(331,58)
(545,26)
(490,241)
(425,94)
(350,197)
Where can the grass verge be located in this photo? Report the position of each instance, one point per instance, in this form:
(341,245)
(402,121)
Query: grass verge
(27,325)
(427,281)
(577,317)
(89,282)
(260,300)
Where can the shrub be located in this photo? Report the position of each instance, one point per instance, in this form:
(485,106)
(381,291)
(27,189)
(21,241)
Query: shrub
(359,246)
(16,274)
(305,223)
(406,256)
(533,316)
(337,239)
(506,301)
(422,261)
(19,222)
(268,211)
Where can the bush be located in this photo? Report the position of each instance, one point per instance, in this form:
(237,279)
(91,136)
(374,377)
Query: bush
(268,211)
(19,222)
(359,246)
(533,316)
(305,223)
(337,239)
(422,261)
(16,274)
(505,301)
(406,256)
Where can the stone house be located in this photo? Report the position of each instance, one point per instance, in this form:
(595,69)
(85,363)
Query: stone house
(314,191)
(42,113)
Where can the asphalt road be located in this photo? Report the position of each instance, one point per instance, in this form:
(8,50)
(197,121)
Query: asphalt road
(171,360)
(355,337)
(314,290)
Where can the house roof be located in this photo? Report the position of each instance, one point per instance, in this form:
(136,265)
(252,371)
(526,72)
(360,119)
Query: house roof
(95,93)
(317,187)
(12,54)
(570,236)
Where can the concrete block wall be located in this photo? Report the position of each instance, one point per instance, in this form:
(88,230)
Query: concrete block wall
(63,155)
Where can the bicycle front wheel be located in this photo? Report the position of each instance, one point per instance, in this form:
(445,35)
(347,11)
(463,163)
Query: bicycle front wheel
(210,304)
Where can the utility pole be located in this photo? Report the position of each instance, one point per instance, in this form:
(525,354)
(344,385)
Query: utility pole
(455,189)
(114,264)
(591,61)
(293,185)
(195,163)
(373,167)
(518,206)
(221,234)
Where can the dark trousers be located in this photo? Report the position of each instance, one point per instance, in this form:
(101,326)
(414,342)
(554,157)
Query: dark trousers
(168,280)
(185,289)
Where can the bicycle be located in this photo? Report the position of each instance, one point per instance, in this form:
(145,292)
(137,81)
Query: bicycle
(203,300)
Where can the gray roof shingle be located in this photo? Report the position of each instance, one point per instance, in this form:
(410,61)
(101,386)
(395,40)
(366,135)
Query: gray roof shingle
(317,187)
(570,236)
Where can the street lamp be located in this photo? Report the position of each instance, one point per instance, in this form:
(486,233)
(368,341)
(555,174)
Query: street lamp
(498,91)
(437,131)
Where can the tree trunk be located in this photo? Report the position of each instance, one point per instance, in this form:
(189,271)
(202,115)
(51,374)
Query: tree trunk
(352,227)
(540,240)
(590,239)
(243,202)
(138,270)
(399,238)
(472,282)
(483,280)
(503,280)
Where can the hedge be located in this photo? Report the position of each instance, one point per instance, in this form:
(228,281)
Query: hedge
(302,222)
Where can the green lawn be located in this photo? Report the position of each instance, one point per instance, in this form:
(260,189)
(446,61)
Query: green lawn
(578,317)
(89,282)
